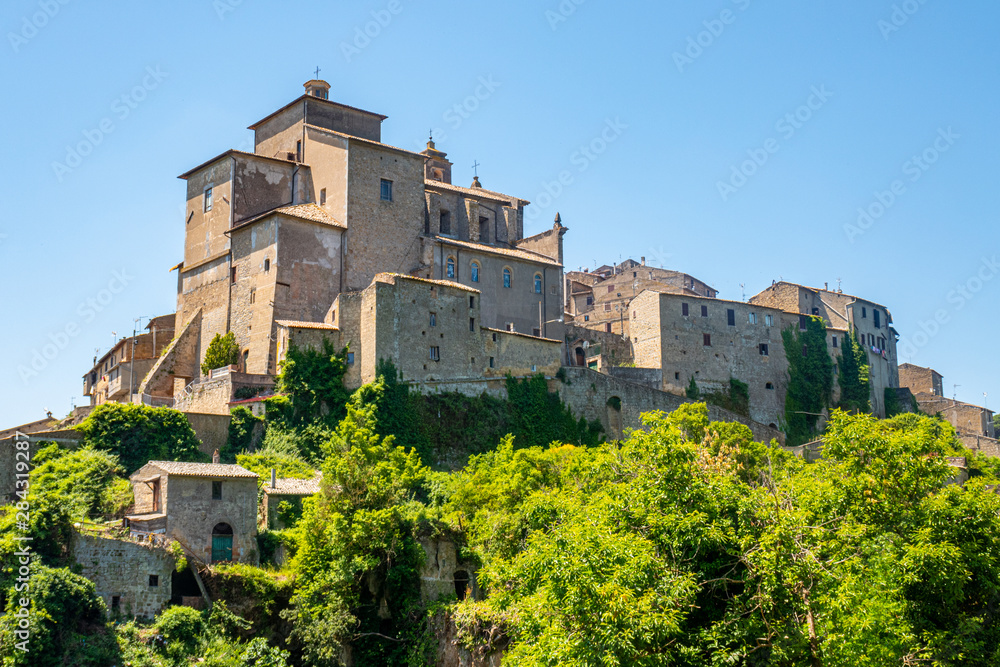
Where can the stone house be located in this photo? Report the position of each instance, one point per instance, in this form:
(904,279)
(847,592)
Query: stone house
(712,341)
(285,490)
(920,380)
(599,300)
(209,508)
(845,314)
(116,376)
(133,578)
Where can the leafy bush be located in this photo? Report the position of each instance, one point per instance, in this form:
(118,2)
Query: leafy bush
(222,351)
(181,627)
(138,434)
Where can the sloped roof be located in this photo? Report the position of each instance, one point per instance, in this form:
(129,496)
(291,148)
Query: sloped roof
(308,212)
(202,469)
(474,192)
(287,486)
(526,255)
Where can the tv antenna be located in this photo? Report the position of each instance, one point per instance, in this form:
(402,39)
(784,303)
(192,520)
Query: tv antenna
(743,289)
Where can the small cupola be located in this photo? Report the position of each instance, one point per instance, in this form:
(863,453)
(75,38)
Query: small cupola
(318,88)
(437,166)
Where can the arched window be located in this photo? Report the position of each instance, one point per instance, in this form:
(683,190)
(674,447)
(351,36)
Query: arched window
(222,543)
(538,283)
(267,265)
(450,270)
(475,272)
(506,277)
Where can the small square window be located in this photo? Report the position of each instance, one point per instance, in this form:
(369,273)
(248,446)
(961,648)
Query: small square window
(386,190)
(216,490)
(154,580)
(536,332)
(586,318)
(208,199)
(607,307)
(769,320)
(752,318)
(764,350)
(677,376)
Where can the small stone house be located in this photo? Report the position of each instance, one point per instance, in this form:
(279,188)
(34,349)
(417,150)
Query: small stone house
(287,490)
(209,508)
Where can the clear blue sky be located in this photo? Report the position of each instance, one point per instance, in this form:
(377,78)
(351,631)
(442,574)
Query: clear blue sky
(679,119)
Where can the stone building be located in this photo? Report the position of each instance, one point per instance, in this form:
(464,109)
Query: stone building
(844,315)
(285,490)
(599,299)
(432,330)
(133,578)
(116,376)
(713,341)
(920,380)
(319,209)
(209,508)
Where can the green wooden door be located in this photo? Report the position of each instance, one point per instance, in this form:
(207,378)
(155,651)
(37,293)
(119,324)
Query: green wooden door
(222,548)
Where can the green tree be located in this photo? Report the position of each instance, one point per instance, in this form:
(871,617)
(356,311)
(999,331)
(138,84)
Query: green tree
(222,351)
(311,384)
(692,391)
(137,434)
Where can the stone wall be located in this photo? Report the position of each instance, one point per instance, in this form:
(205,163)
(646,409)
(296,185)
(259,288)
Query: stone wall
(979,443)
(126,570)
(179,360)
(650,377)
(212,430)
(192,514)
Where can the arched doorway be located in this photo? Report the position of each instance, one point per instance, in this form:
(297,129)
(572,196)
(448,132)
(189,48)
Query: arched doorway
(222,543)
(581,357)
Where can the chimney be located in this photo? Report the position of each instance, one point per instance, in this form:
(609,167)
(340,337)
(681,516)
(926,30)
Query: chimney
(643,261)
(215,456)
(274,478)
(826,287)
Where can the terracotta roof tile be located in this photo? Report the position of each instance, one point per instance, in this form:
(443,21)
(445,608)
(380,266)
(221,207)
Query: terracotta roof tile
(477,192)
(391,278)
(287,486)
(202,469)
(306,325)
(525,255)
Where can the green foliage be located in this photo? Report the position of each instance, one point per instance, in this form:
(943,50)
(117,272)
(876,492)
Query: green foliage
(810,379)
(66,622)
(138,434)
(83,480)
(692,391)
(855,389)
(255,595)
(285,465)
(243,428)
(312,384)
(357,567)
(539,417)
(892,405)
(222,351)
(735,397)
(268,542)
(181,628)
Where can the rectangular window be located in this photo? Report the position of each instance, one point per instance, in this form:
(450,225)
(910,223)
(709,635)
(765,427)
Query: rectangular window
(586,318)
(864,313)
(815,311)
(803,322)
(769,320)
(607,327)
(731,317)
(590,301)
(116,602)
(536,332)
(154,580)
(677,376)
(216,490)
(434,319)
(435,353)
(878,318)
(492,362)
(322,197)
(208,199)
(253,295)
(835,341)
(350,358)
(298,151)
(684,309)
(472,302)
(472,324)
(232,274)
(607,307)
(445,222)
(707,340)
(763,350)
(752,318)
(805,350)
(611,288)
(386,190)
(704,311)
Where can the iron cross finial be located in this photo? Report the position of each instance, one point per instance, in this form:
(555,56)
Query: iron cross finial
(317,72)
(475,168)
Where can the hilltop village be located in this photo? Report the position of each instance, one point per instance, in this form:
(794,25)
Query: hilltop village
(324,237)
